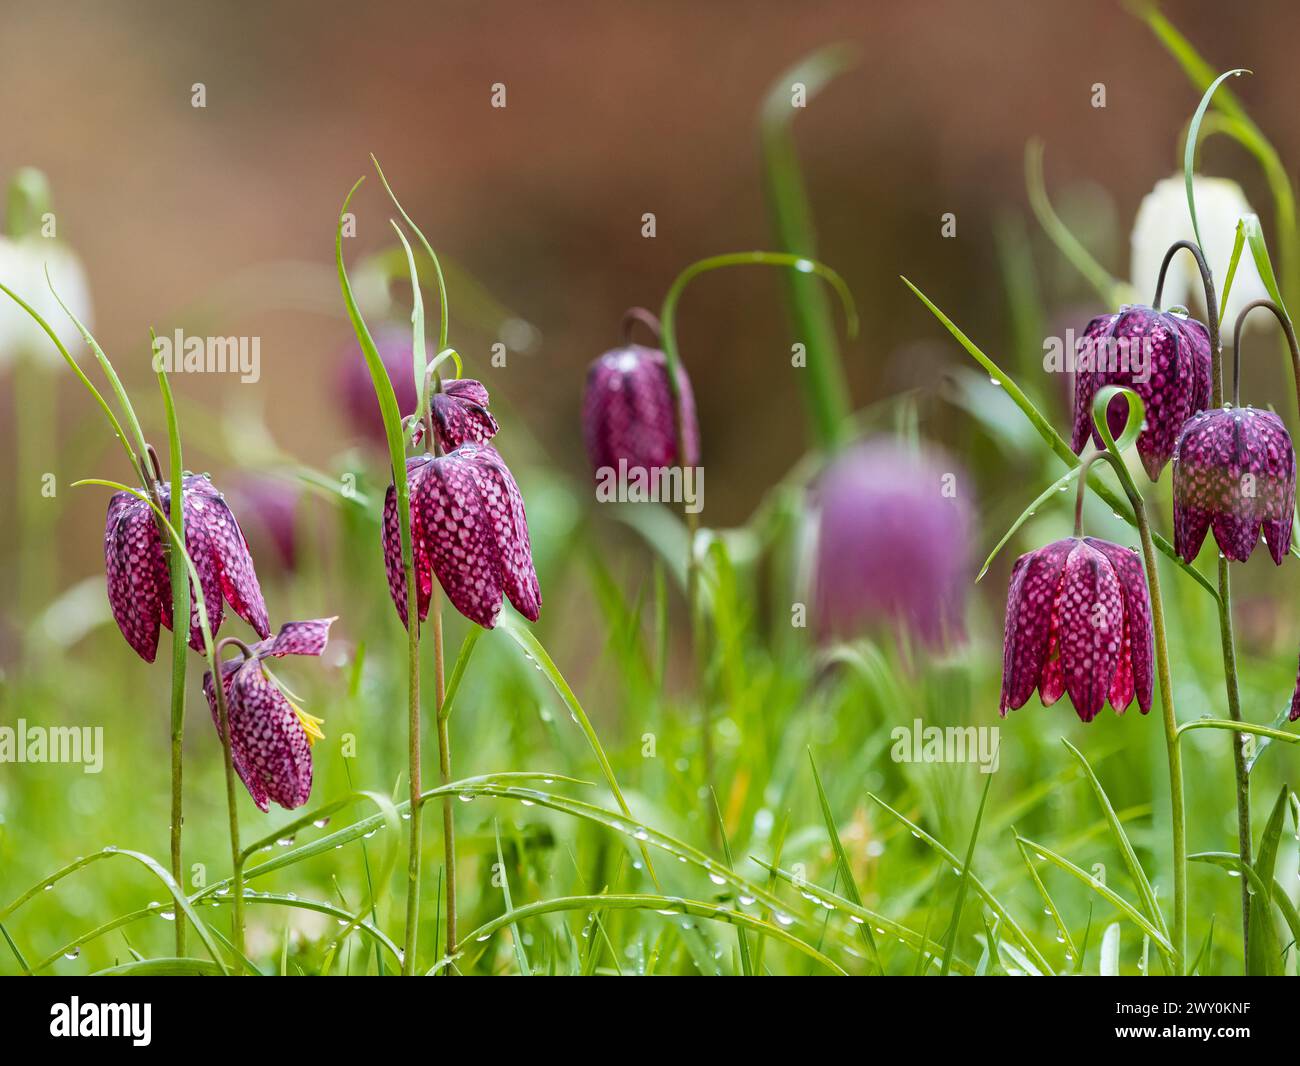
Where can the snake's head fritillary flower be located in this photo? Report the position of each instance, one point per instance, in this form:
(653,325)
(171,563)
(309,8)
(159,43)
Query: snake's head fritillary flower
(1078,622)
(1234,472)
(627,412)
(357,391)
(270,735)
(469,530)
(892,544)
(1163,357)
(139,584)
(460,414)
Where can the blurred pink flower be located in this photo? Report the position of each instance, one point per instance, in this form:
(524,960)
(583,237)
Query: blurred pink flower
(893,543)
(356,391)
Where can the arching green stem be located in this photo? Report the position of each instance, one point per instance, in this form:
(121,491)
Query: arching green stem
(668,328)
(1241,772)
(1101,404)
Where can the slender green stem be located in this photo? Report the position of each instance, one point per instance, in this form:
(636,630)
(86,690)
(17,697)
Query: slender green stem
(1176,805)
(236,857)
(180,590)
(1177,809)
(1241,772)
(443,713)
(413,745)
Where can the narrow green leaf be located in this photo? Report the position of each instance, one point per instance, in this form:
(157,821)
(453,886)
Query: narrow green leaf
(842,865)
(1189,154)
(965,881)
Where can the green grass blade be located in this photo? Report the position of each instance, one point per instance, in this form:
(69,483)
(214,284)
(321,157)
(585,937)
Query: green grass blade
(1146,894)
(965,880)
(1106,892)
(521,958)
(842,865)
(1189,153)
(746,964)
(532,648)
(825,389)
(993,903)
(668,905)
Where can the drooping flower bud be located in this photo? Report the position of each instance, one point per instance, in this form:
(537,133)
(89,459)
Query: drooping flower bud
(893,538)
(270,735)
(1234,472)
(469,530)
(1078,622)
(628,413)
(1165,358)
(139,583)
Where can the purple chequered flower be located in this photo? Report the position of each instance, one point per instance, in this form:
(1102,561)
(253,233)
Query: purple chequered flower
(1234,472)
(270,735)
(1078,622)
(139,584)
(627,412)
(469,530)
(1165,358)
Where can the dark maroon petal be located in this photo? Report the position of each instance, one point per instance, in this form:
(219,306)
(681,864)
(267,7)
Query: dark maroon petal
(504,505)
(458,535)
(272,744)
(628,412)
(1235,471)
(251,781)
(392,540)
(235,571)
(1091,616)
(1138,659)
(203,554)
(1170,352)
(1084,385)
(299,638)
(132,558)
(460,411)
(1030,599)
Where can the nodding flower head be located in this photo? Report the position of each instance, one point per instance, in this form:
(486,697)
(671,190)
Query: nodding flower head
(1078,622)
(628,413)
(139,584)
(892,546)
(469,530)
(1163,357)
(460,414)
(270,735)
(1234,472)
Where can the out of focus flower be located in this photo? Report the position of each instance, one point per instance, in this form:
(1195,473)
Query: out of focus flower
(1163,219)
(270,735)
(1234,472)
(1163,357)
(139,584)
(1078,622)
(892,544)
(627,412)
(469,530)
(23,262)
(356,390)
(272,504)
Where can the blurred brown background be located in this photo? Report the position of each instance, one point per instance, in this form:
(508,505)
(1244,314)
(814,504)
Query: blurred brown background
(614,109)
